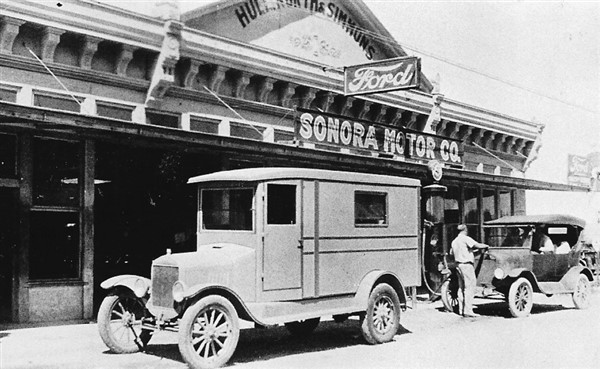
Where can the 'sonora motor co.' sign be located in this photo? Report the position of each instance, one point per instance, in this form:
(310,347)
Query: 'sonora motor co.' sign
(385,75)
(332,130)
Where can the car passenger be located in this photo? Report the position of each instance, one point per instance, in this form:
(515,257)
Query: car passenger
(541,242)
(563,248)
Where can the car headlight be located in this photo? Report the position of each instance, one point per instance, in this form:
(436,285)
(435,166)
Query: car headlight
(178,290)
(140,288)
(499,273)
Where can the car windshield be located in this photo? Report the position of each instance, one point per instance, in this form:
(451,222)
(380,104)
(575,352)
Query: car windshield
(227,209)
(508,236)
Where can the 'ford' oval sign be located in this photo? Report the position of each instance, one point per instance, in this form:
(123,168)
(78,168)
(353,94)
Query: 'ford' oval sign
(386,75)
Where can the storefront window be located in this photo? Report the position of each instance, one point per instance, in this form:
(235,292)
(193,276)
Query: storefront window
(8,156)
(451,208)
(505,206)
(488,200)
(54,248)
(56,172)
(471,211)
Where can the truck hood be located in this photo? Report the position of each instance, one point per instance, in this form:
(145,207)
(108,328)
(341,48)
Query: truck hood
(222,264)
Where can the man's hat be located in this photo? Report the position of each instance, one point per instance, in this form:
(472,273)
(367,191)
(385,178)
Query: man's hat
(461,227)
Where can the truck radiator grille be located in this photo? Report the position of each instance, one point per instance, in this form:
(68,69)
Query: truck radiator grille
(163,278)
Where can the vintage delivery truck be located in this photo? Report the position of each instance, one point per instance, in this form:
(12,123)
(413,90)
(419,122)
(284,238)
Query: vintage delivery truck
(276,246)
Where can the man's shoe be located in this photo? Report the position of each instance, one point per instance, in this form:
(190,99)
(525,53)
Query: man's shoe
(471,315)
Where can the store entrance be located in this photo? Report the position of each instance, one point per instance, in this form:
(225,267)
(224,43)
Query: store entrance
(8,243)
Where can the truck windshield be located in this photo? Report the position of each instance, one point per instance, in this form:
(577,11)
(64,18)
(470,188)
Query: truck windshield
(227,209)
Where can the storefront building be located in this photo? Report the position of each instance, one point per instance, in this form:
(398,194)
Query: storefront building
(105,113)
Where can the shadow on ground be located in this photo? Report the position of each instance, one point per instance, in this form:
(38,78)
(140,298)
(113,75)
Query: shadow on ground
(268,343)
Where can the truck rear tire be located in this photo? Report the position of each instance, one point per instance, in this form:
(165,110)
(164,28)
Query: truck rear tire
(382,318)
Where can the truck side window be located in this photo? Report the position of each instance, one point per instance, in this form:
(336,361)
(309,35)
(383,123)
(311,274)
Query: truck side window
(370,208)
(227,209)
(281,204)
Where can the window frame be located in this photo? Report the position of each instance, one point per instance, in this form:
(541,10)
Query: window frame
(385,194)
(200,222)
(267,197)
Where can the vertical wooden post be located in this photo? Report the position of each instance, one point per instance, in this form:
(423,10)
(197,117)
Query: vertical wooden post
(87,229)
(25,158)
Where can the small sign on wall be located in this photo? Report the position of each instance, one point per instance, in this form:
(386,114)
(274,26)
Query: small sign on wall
(386,75)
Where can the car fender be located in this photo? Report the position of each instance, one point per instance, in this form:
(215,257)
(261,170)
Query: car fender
(526,273)
(569,280)
(196,292)
(371,279)
(125,280)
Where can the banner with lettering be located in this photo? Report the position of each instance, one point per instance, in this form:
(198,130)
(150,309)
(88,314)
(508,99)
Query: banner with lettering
(333,130)
(386,75)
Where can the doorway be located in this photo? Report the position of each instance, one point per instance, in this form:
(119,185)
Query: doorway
(8,244)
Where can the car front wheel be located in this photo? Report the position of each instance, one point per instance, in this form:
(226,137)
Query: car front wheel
(382,318)
(120,323)
(581,295)
(209,332)
(520,298)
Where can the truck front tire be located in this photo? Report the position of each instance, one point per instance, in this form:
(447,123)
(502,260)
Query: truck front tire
(209,332)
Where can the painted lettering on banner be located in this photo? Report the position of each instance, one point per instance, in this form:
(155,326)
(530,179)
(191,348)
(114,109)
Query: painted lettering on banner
(320,128)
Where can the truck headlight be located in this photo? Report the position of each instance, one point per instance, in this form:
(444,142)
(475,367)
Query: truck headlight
(178,290)
(140,288)
(499,273)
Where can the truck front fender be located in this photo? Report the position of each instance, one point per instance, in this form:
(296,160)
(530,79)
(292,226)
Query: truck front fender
(373,278)
(129,281)
(195,293)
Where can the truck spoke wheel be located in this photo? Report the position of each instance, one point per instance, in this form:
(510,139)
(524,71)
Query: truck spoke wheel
(209,332)
(382,318)
(120,323)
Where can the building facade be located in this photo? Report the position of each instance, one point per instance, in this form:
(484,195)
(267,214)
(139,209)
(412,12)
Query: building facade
(105,114)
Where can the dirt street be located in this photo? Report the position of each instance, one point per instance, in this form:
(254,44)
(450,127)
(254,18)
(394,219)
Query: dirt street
(555,336)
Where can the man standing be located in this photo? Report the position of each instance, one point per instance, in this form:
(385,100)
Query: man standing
(462,248)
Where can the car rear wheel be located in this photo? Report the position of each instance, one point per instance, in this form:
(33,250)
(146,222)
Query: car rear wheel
(209,332)
(302,328)
(382,318)
(120,323)
(449,292)
(520,298)
(581,295)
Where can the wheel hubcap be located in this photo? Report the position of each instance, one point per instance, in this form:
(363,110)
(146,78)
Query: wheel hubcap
(210,332)
(522,298)
(383,314)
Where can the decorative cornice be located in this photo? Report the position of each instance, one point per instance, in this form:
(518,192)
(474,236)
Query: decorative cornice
(123,59)
(192,72)
(88,50)
(50,39)
(62,70)
(9,29)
